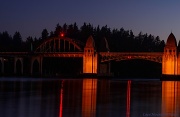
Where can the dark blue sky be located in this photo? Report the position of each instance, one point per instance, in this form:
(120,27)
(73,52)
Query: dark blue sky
(30,17)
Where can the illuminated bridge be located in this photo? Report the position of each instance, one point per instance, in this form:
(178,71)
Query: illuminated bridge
(93,62)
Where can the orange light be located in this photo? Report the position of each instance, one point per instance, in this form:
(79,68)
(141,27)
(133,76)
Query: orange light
(89,96)
(170,96)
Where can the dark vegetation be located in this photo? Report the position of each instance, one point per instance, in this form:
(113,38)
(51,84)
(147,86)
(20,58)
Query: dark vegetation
(118,39)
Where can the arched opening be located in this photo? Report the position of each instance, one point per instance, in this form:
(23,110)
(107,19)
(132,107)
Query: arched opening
(136,68)
(18,67)
(35,70)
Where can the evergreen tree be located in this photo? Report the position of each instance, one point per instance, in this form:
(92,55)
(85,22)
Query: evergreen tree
(5,42)
(58,30)
(17,41)
(44,34)
(65,28)
(51,34)
(29,44)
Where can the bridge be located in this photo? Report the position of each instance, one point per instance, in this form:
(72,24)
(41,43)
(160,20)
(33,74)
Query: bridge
(93,61)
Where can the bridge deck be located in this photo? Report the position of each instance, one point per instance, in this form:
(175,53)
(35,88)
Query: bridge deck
(105,56)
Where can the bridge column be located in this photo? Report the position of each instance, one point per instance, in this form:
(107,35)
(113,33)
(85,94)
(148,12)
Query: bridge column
(90,57)
(40,66)
(105,68)
(15,64)
(2,65)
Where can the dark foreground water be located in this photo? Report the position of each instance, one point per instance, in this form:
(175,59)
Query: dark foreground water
(30,97)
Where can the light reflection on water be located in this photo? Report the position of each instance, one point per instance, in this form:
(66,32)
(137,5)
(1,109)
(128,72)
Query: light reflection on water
(89,98)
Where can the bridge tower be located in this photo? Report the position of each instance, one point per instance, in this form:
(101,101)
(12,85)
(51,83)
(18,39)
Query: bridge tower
(169,58)
(90,57)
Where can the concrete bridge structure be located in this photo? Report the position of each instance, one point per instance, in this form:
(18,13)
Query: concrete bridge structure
(93,62)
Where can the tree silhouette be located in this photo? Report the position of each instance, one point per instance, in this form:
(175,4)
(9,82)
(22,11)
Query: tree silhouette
(28,45)
(44,34)
(5,41)
(57,31)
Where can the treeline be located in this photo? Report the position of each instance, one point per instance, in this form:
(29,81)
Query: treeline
(118,39)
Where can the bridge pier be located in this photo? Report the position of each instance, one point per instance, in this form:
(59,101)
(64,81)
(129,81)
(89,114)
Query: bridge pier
(170,63)
(2,65)
(105,68)
(90,58)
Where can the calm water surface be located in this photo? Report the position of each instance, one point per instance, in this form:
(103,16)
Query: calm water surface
(30,97)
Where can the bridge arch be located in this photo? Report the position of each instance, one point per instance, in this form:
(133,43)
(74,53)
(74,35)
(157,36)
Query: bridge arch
(136,68)
(60,44)
(157,60)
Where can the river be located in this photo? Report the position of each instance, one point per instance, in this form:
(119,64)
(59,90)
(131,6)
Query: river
(38,97)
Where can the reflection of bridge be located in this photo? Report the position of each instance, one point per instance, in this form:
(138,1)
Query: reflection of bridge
(105,97)
(93,61)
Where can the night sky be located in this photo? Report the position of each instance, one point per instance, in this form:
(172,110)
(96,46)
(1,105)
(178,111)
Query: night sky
(30,17)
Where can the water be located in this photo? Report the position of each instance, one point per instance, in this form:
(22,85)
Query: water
(31,97)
